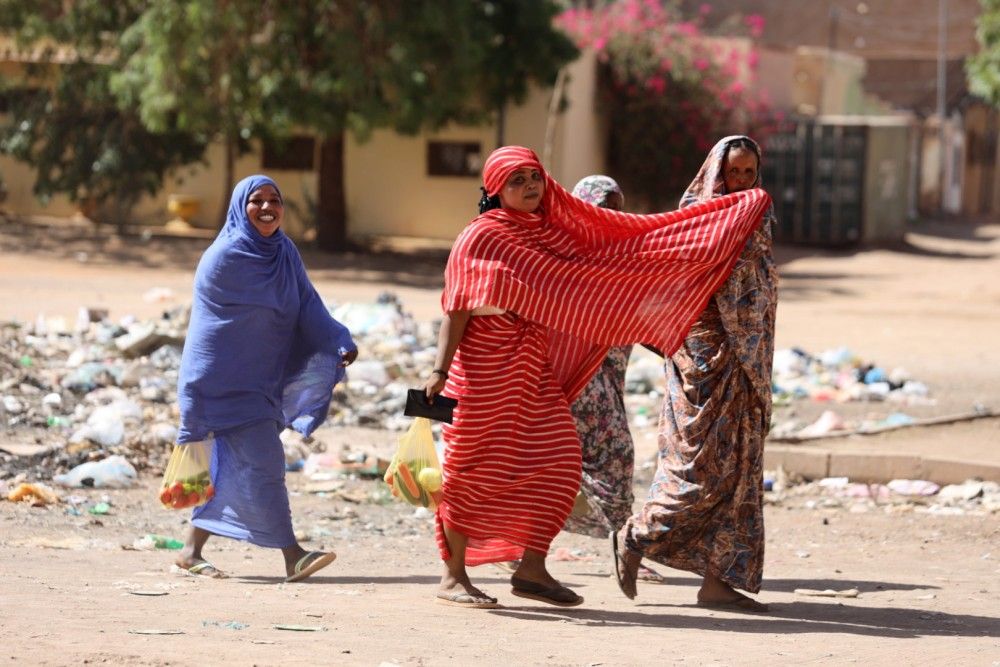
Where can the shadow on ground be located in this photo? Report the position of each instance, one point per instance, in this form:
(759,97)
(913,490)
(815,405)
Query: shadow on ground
(784,618)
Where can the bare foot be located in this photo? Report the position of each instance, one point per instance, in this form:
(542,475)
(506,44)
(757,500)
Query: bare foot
(650,576)
(718,594)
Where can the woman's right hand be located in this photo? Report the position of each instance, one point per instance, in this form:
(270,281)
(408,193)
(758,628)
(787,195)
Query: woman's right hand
(433,386)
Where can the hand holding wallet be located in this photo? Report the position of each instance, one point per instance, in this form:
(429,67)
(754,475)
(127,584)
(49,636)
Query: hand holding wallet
(440,410)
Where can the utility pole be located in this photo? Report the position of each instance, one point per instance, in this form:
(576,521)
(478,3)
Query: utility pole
(831,46)
(942,82)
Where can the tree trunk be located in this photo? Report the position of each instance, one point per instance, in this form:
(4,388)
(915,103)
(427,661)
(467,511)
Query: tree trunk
(331,207)
(229,173)
(501,124)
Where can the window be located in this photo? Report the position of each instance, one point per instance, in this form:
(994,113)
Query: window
(453,158)
(294,154)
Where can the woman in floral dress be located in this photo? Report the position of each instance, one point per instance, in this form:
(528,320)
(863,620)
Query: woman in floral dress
(704,511)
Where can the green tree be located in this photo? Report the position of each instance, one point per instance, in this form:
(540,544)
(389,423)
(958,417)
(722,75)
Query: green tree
(63,119)
(983,69)
(245,70)
(519,46)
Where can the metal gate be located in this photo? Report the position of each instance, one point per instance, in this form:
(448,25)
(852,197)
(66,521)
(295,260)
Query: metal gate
(815,173)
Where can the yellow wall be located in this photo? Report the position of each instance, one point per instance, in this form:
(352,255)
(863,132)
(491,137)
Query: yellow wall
(387,187)
(390,194)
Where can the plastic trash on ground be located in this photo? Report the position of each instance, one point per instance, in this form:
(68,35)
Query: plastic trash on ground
(114,472)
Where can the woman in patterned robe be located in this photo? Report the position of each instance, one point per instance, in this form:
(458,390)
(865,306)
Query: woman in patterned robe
(704,511)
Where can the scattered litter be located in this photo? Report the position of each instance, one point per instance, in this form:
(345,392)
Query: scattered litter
(152,631)
(827,423)
(958,492)
(564,554)
(913,487)
(228,625)
(841,376)
(828,592)
(149,593)
(300,628)
(36,494)
(152,542)
(100,509)
(112,472)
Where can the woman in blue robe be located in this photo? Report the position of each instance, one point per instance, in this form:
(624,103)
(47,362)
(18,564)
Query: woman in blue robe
(262,353)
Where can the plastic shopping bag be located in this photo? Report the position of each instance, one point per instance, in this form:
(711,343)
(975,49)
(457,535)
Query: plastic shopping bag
(414,474)
(186,482)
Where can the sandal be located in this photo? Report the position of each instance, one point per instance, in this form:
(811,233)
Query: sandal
(618,564)
(305,567)
(202,568)
(463,599)
(558,595)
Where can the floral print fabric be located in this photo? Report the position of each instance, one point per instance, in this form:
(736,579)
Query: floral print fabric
(704,511)
(605,499)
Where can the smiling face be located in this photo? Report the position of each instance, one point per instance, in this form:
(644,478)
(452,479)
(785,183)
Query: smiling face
(523,190)
(265,208)
(739,169)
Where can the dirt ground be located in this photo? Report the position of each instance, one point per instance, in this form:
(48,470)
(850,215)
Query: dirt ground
(927,583)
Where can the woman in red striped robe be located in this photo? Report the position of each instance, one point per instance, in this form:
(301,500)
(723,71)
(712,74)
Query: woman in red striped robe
(537,288)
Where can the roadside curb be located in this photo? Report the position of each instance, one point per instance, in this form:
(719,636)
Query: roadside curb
(818,462)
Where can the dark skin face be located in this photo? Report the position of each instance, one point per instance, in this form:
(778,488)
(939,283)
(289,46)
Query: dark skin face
(739,169)
(614,200)
(265,209)
(523,190)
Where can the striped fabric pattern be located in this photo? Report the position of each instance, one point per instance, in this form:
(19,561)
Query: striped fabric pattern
(574,279)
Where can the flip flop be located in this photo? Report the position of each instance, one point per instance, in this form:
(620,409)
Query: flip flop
(741,604)
(618,565)
(559,596)
(304,567)
(202,568)
(463,599)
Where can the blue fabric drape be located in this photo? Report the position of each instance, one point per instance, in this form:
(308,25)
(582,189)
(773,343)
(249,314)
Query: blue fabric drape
(261,344)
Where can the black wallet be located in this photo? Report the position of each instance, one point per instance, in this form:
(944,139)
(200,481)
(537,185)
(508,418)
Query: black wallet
(417,406)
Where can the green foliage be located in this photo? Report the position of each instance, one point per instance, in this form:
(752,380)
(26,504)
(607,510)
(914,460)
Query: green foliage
(166,77)
(84,146)
(983,69)
(63,119)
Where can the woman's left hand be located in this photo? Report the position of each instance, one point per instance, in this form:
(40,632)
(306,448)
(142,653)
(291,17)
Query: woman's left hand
(348,357)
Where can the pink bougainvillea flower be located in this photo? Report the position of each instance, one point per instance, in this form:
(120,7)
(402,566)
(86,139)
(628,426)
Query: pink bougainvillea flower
(756,24)
(657,84)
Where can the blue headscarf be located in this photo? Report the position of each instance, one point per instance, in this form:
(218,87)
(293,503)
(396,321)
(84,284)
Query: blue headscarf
(261,344)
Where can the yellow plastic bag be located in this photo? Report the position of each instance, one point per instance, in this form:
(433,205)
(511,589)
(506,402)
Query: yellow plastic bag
(186,482)
(414,474)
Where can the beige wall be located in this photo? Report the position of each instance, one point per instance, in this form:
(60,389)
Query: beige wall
(390,194)
(388,191)
(829,82)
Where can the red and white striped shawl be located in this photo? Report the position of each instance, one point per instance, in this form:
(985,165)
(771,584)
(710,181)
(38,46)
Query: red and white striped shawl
(592,276)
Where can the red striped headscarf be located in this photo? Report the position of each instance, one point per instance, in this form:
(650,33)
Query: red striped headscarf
(592,276)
